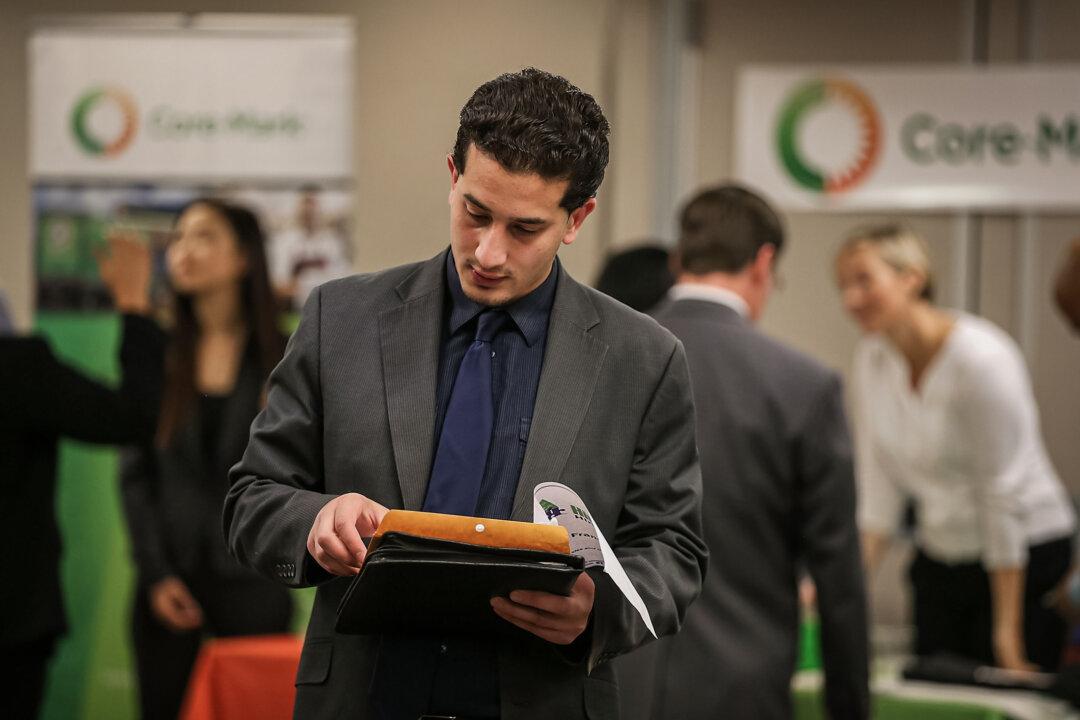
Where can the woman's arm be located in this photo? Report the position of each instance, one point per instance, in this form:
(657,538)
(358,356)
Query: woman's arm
(999,420)
(874,546)
(1007,596)
(880,501)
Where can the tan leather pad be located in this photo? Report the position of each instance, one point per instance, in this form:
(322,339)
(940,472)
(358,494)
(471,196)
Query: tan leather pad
(476,531)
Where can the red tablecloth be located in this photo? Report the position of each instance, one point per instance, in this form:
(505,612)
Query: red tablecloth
(246,677)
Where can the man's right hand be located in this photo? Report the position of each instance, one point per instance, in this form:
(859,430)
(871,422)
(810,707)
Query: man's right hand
(335,538)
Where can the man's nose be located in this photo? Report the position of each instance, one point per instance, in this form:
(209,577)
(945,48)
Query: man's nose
(491,251)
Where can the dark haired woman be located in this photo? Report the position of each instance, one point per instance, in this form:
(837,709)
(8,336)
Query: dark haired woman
(224,343)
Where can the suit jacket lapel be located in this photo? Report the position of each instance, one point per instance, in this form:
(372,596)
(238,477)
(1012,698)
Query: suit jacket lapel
(572,361)
(410,335)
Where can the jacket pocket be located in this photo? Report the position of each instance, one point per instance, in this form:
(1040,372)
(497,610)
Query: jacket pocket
(315,662)
(601,699)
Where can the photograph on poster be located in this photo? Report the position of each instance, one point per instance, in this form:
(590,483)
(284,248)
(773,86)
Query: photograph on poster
(307,231)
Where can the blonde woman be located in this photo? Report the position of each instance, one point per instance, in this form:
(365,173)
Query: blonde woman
(945,419)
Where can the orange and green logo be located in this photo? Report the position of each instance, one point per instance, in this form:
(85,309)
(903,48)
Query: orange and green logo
(865,149)
(94,141)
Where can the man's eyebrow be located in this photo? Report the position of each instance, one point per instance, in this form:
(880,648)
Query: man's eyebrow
(477,203)
(520,220)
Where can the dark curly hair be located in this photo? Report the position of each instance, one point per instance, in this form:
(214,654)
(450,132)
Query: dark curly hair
(536,122)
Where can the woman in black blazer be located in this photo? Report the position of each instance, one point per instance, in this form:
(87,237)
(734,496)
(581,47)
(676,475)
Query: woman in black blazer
(224,344)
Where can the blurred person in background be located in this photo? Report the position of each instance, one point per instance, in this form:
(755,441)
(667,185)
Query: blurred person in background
(779,490)
(638,277)
(1067,299)
(7,326)
(307,253)
(1067,287)
(945,417)
(224,343)
(43,400)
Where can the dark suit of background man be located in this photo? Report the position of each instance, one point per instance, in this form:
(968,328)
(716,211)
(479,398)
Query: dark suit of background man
(584,391)
(42,399)
(778,487)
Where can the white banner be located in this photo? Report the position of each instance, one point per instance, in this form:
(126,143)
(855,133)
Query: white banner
(874,137)
(190,105)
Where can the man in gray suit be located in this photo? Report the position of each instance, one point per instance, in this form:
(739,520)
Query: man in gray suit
(365,413)
(777,475)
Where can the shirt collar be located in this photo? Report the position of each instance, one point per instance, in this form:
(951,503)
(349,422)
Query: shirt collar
(530,313)
(710,293)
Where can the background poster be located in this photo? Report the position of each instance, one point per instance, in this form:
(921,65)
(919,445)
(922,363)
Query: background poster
(307,234)
(927,138)
(131,118)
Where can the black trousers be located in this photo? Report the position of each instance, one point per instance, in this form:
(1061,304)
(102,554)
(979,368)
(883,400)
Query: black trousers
(231,606)
(954,613)
(23,686)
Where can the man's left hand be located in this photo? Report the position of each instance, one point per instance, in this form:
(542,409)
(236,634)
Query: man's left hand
(554,618)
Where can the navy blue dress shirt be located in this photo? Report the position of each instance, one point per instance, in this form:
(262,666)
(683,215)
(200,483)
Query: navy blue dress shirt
(464,674)
(519,356)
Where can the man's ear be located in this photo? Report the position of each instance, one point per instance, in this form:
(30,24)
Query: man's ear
(577,219)
(763,261)
(454,174)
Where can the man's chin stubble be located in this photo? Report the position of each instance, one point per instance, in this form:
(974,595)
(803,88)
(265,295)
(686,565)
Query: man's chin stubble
(485,301)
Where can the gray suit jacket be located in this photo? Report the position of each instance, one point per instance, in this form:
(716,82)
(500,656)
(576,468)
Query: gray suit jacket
(351,408)
(779,496)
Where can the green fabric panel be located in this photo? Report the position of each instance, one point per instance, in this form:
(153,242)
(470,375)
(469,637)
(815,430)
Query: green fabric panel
(91,671)
(809,644)
(289,322)
(92,675)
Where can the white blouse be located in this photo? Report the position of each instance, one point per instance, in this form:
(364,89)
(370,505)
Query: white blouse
(965,447)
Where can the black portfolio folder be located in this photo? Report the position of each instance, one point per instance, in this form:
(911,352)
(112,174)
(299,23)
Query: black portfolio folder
(419,583)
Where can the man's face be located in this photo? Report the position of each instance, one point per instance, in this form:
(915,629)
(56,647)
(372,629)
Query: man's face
(309,212)
(505,228)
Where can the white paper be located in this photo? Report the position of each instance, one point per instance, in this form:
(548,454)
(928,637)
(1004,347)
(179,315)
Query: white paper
(556,504)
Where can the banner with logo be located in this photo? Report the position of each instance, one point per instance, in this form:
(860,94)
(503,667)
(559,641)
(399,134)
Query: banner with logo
(131,118)
(911,138)
(195,105)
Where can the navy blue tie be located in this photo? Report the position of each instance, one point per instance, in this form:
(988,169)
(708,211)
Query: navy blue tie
(461,457)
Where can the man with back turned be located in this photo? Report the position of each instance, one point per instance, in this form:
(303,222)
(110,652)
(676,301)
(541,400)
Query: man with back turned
(779,492)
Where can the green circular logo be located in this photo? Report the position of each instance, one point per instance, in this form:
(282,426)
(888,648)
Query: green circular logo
(109,146)
(810,96)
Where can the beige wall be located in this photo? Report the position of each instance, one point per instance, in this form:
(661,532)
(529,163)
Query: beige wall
(807,312)
(738,32)
(417,61)
(416,64)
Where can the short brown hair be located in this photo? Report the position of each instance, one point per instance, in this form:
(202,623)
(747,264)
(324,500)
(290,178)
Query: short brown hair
(723,228)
